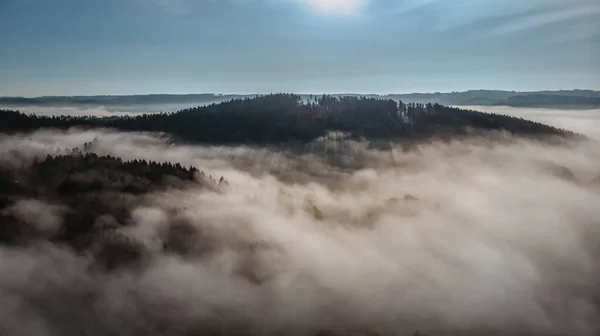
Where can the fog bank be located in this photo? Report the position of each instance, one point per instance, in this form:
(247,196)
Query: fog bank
(465,238)
(105,111)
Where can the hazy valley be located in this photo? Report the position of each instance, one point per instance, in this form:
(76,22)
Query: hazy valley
(450,222)
(299,167)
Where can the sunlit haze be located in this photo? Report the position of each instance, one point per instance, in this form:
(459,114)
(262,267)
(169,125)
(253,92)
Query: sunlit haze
(337,7)
(73,47)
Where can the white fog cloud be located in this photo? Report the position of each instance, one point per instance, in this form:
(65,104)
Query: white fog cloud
(45,218)
(467,237)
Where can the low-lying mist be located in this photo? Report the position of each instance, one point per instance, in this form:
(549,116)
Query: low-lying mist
(581,121)
(462,238)
(105,111)
(81,111)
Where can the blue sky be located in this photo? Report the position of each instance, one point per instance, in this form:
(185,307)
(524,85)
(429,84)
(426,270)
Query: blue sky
(71,47)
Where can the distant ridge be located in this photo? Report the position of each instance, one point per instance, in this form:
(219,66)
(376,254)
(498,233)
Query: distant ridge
(576,99)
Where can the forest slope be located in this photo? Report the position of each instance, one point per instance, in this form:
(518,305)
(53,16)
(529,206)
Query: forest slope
(93,194)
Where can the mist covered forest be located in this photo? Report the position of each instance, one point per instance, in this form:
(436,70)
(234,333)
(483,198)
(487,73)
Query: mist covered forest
(278,215)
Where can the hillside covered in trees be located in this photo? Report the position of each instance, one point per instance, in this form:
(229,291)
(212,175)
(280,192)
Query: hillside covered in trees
(287,118)
(98,191)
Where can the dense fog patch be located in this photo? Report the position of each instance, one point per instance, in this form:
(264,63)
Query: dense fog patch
(41,216)
(466,237)
(130,110)
(97,111)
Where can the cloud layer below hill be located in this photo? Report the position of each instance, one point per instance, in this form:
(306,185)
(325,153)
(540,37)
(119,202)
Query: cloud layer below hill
(462,238)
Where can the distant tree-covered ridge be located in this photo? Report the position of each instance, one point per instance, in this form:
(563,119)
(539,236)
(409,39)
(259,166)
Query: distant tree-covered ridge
(548,98)
(115,100)
(285,118)
(575,99)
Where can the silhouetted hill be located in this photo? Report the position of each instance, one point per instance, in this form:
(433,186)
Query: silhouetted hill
(288,119)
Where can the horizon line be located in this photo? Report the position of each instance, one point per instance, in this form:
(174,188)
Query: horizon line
(297,93)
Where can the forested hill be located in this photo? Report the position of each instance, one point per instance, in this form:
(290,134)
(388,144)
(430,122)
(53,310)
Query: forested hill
(286,118)
(95,194)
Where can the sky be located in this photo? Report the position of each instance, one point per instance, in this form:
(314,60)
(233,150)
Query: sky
(74,47)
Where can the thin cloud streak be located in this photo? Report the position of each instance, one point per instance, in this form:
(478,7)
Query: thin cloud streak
(579,32)
(498,18)
(546,18)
